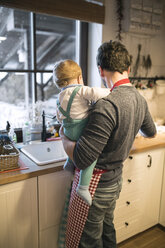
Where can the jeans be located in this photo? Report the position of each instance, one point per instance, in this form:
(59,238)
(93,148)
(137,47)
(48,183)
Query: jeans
(99,231)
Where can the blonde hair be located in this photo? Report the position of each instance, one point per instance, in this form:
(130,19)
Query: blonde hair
(64,71)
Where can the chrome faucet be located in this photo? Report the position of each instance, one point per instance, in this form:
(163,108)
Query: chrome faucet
(45,135)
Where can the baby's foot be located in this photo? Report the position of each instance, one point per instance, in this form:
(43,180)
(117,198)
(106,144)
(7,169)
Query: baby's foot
(84,193)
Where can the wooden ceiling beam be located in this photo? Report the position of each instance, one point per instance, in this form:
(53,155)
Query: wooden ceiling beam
(75,9)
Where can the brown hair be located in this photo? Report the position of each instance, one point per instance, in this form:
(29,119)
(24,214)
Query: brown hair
(64,71)
(113,56)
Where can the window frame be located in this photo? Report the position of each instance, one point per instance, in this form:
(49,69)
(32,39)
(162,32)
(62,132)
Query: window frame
(83,50)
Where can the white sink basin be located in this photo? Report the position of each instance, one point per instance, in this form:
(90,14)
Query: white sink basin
(45,152)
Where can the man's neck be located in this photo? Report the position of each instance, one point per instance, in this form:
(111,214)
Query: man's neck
(116,76)
(112,77)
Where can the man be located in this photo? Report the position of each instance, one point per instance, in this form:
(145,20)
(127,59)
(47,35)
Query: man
(108,137)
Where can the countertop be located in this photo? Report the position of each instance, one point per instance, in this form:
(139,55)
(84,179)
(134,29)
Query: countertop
(33,170)
(140,145)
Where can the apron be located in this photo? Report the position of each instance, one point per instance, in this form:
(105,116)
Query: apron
(77,212)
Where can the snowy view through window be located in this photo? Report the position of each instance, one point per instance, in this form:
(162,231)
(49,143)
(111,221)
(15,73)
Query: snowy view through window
(26,62)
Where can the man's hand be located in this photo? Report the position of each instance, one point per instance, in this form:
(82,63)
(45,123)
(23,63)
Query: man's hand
(145,136)
(61,132)
(67,144)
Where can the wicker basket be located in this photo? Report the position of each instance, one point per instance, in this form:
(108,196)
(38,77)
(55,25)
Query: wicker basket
(10,161)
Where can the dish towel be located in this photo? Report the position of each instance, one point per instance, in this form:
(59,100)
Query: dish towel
(77,214)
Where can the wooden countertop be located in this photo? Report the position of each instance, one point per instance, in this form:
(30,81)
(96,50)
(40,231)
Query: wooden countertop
(140,145)
(33,171)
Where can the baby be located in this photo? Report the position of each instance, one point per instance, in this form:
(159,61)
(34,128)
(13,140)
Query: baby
(73,105)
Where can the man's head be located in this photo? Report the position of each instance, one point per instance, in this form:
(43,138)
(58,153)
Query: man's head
(113,56)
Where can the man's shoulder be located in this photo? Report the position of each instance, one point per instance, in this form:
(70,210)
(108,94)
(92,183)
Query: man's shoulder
(105,104)
(107,100)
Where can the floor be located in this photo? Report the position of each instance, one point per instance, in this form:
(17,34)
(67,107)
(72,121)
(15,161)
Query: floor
(152,238)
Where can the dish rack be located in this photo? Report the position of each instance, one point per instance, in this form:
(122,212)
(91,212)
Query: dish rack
(9,154)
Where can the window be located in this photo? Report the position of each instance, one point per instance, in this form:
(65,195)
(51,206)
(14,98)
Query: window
(30,44)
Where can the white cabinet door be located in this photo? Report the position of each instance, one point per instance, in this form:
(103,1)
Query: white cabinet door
(138,206)
(152,183)
(52,194)
(49,237)
(18,215)
(162,201)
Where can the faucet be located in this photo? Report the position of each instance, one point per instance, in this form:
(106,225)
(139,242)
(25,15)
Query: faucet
(44,134)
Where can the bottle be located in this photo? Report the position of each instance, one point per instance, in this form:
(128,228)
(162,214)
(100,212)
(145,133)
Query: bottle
(8,127)
(26,133)
(36,130)
(12,135)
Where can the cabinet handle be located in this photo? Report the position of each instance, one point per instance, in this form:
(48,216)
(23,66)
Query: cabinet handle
(129,180)
(130,157)
(126,223)
(128,202)
(150,161)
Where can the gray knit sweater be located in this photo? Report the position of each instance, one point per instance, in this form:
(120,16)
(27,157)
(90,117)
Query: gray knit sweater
(111,130)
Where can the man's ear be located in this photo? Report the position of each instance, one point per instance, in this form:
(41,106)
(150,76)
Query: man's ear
(101,72)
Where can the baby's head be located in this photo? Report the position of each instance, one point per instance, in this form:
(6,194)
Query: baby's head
(66,72)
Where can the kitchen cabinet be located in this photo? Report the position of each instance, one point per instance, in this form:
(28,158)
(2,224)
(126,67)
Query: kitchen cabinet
(31,209)
(18,214)
(138,206)
(162,202)
(52,194)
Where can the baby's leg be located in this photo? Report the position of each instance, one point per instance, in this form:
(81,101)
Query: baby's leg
(84,181)
(69,165)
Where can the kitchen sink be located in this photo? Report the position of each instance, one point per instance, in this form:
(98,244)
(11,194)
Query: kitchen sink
(43,153)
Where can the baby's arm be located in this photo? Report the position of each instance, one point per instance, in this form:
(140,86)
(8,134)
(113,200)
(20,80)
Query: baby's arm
(94,93)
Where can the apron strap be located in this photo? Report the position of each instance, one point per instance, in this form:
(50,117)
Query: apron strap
(67,112)
(61,109)
(71,98)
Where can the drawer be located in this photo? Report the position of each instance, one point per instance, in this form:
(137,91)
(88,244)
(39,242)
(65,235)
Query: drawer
(131,186)
(136,164)
(133,171)
(126,227)
(127,208)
